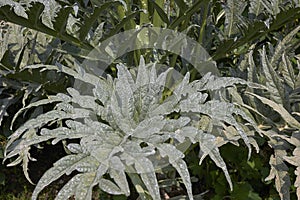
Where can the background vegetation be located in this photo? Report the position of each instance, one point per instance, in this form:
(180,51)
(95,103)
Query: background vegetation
(256,48)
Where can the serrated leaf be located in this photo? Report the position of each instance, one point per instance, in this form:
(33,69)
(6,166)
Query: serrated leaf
(273,82)
(18,8)
(224,112)
(207,143)
(280,110)
(59,168)
(46,118)
(288,72)
(216,83)
(282,46)
(85,77)
(279,171)
(51,99)
(89,21)
(84,101)
(233,12)
(36,15)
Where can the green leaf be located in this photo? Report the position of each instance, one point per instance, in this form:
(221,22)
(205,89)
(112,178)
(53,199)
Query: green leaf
(90,21)
(121,24)
(256,30)
(283,17)
(160,11)
(186,15)
(61,20)
(181,5)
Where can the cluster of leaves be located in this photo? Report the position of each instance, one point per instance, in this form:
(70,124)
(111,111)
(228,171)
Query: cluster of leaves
(126,122)
(276,111)
(133,133)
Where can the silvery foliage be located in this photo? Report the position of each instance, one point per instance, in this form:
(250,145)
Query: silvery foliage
(125,127)
(51,7)
(276,72)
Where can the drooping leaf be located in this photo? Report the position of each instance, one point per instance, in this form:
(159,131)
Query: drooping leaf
(145,168)
(208,146)
(46,118)
(59,168)
(124,123)
(175,158)
(279,171)
(69,189)
(280,110)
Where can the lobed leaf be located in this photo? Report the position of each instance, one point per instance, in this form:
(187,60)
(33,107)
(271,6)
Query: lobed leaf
(59,168)
(208,146)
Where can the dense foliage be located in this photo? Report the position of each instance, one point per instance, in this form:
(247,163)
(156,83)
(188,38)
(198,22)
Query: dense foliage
(136,134)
